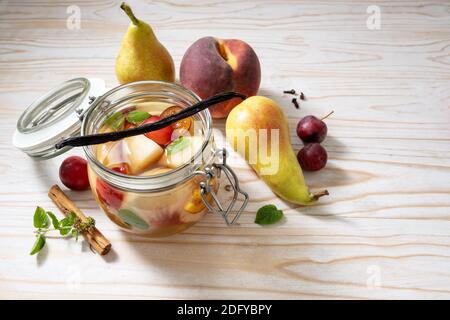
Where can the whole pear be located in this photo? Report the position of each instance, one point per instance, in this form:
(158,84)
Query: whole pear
(258,130)
(142,56)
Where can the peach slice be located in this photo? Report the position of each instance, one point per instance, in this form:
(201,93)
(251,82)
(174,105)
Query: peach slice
(195,205)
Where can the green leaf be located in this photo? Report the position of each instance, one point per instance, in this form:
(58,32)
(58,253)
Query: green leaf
(64,223)
(38,245)
(268,214)
(55,221)
(64,231)
(72,217)
(116,120)
(177,145)
(133,219)
(137,116)
(40,219)
(68,221)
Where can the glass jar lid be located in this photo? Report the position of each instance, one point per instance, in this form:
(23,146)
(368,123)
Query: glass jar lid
(55,116)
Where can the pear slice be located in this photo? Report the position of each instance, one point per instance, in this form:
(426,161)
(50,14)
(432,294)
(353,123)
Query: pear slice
(181,151)
(142,152)
(111,153)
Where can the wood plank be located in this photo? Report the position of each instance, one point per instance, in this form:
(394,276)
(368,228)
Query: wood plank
(388,145)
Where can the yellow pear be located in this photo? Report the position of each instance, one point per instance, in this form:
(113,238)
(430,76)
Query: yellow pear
(142,56)
(258,130)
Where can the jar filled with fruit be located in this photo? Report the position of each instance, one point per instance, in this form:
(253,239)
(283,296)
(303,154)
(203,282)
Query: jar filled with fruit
(158,183)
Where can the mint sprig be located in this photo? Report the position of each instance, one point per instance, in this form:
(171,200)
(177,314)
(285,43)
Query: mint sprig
(268,214)
(68,226)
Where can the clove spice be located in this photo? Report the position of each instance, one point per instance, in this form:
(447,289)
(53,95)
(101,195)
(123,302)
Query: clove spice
(292,91)
(294,101)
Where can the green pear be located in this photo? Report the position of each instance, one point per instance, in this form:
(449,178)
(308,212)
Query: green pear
(258,130)
(142,56)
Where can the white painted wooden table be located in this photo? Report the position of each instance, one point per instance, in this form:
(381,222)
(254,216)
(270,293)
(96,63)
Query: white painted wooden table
(383,233)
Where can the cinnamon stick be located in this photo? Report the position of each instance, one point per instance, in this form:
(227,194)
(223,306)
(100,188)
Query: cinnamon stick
(92,235)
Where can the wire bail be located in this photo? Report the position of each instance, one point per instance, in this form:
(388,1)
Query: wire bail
(214,171)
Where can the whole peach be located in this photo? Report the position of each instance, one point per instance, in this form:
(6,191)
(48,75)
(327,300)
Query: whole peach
(212,65)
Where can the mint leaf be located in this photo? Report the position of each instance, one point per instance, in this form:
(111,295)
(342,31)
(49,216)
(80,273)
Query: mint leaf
(268,214)
(55,221)
(177,145)
(38,245)
(133,219)
(65,230)
(137,116)
(116,120)
(68,221)
(64,223)
(40,219)
(72,217)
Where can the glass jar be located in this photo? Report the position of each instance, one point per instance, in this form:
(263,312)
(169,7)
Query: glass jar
(155,205)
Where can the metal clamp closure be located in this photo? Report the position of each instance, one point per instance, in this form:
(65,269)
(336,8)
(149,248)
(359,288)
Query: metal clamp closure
(213,171)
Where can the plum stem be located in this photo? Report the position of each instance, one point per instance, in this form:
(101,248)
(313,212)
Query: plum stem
(129,13)
(327,115)
(319,194)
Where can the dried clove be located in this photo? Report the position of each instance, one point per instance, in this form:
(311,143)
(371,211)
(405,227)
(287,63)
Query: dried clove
(294,101)
(292,91)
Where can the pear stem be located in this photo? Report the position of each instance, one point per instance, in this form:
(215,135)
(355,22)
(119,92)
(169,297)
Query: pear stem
(129,13)
(327,115)
(319,194)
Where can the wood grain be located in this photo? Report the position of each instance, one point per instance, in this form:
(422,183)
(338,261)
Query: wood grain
(389,150)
